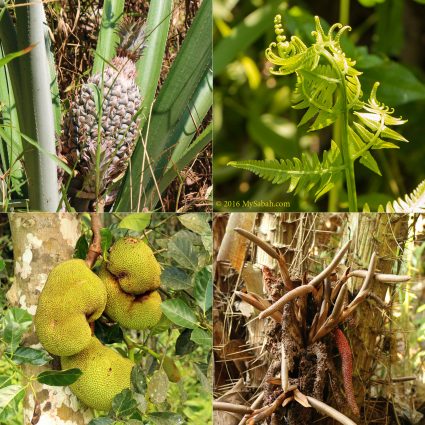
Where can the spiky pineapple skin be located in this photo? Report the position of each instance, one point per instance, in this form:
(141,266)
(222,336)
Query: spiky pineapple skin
(102,123)
(118,126)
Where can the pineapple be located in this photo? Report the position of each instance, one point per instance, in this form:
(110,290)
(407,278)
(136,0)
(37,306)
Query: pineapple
(102,121)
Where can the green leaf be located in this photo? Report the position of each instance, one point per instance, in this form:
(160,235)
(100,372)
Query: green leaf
(124,404)
(138,380)
(390,29)
(108,333)
(197,222)
(13,150)
(162,326)
(202,338)
(59,378)
(179,313)
(370,3)
(202,288)
(181,249)
(32,356)
(245,34)
(191,152)
(33,143)
(201,370)
(105,240)
(150,64)
(158,387)
(81,248)
(275,132)
(209,295)
(16,322)
(356,145)
(136,221)
(108,37)
(170,109)
(308,173)
(102,420)
(184,343)
(166,418)
(6,59)
(175,278)
(9,395)
(398,84)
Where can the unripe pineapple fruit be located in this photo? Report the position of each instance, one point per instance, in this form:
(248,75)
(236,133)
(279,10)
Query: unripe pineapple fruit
(133,263)
(103,119)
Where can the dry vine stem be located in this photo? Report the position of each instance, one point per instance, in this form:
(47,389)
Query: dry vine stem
(310,287)
(269,249)
(259,303)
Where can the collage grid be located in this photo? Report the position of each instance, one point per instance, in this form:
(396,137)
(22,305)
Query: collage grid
(212,212)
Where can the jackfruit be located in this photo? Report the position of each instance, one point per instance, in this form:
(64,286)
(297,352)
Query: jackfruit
(105,374)
(132,262)
(130,310)
(72,296)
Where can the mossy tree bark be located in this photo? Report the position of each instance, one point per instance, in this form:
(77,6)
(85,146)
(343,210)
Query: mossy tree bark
(41,241)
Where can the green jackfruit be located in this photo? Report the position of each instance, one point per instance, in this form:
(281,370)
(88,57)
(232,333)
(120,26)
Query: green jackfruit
(135,266)
(130,310)
(72,296)
(105,374)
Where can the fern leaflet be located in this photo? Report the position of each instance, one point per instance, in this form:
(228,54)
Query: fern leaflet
(413,203)
(307,173)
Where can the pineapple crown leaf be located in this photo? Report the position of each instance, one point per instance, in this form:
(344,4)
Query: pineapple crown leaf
(305,173)
(132,40)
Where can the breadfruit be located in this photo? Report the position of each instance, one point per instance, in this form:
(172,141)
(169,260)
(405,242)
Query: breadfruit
(132,262)
(105,374)
(72,296)
(130,310)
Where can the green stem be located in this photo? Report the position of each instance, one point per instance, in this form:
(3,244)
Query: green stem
(349,171)
(345,147)
(344,12)
(333,199)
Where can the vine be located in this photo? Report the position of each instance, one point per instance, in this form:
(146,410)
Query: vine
(329,89)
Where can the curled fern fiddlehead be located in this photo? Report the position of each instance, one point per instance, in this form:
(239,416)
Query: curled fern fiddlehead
(328,88)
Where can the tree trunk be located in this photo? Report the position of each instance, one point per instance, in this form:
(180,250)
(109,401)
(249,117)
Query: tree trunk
(40,242)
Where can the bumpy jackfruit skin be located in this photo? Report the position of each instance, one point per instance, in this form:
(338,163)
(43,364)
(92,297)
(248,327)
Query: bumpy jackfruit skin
(105,374)
(135,266)
(72,296)
(130,310)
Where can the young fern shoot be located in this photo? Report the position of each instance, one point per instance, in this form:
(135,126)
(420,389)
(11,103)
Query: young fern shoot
(328,88)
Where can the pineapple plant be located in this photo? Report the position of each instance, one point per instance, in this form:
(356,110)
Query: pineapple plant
(101,127)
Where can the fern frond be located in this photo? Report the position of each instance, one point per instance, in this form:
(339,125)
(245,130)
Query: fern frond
(413,203)
(307,173)
(371,131)
(317,83)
